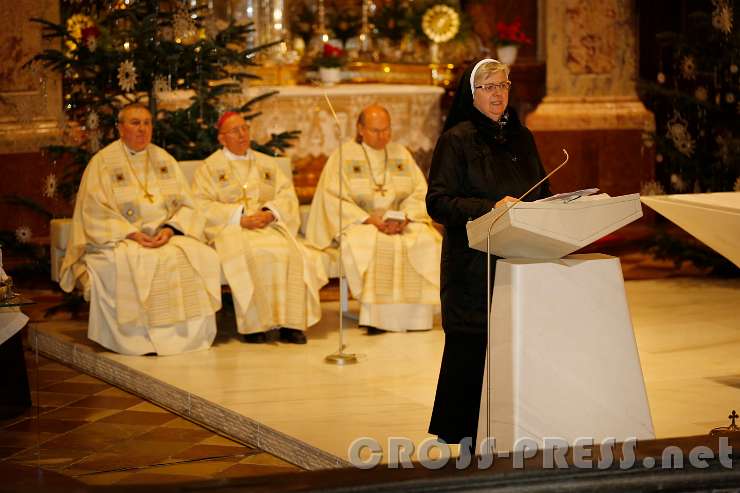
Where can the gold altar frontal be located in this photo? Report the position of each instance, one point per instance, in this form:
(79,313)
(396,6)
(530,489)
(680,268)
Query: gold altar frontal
(435,74)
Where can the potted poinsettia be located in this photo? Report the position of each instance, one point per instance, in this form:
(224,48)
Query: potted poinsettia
(508,38)
(330,64)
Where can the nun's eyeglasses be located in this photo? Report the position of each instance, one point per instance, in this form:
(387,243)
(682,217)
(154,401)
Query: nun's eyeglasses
(495,87)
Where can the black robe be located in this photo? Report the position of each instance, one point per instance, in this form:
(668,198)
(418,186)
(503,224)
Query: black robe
(476,163)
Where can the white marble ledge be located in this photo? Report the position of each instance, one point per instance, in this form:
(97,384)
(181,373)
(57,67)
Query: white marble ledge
(182,97)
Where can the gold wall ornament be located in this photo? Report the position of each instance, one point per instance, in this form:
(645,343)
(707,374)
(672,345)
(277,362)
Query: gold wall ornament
(440,23)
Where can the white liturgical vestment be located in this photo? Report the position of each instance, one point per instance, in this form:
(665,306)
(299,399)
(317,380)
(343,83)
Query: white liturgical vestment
(142,300)
(274,279)
(395,277)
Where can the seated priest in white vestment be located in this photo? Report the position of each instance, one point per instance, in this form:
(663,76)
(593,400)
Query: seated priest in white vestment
(390,251)
(136,249)
(252,213)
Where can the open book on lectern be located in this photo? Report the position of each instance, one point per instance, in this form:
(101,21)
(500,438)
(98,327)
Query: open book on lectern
(552,229)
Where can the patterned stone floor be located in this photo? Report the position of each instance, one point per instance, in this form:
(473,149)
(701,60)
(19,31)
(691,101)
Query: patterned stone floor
(91,432)
(82,430)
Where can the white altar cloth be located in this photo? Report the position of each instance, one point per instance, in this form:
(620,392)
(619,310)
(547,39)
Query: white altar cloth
(565,361)
(713,218)
(414,110)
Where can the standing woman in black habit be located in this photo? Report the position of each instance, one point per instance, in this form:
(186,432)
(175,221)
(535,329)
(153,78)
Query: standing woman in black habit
(484,158)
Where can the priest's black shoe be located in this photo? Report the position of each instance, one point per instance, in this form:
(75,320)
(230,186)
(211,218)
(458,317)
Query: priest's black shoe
(292,336)
(255,338)
(374,331)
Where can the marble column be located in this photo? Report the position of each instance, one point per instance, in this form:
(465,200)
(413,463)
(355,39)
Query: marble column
(591,106)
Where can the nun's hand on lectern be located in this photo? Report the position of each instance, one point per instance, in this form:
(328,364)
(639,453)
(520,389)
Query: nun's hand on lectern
(504,201)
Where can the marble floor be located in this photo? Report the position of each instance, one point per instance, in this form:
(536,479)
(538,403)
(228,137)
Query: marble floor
(83,431)
(286,400)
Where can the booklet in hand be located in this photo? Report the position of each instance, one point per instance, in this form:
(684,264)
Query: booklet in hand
(399,216)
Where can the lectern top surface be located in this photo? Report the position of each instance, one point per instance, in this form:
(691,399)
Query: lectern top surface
(548,230)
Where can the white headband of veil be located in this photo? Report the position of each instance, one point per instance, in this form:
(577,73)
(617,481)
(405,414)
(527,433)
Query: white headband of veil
(475,69)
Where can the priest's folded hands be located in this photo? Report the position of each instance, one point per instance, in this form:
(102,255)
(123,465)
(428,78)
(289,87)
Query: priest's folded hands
(388,226)
(258,220)
(156,241)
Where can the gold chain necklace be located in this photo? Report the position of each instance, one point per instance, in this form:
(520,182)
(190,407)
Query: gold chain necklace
(379,187)
(144,186)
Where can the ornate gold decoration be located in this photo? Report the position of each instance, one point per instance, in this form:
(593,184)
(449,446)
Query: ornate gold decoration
(440,23)
(399,73)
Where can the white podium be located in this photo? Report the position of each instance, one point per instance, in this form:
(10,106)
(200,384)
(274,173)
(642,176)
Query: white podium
(563,358)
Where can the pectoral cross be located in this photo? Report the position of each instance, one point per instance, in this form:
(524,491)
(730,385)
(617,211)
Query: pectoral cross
(149,197)
(380,190)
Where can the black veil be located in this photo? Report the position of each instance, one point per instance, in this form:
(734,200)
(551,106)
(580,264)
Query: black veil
(462,102)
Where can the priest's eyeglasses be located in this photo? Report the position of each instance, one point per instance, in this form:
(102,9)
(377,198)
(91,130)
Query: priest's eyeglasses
(495,87)
(236,131)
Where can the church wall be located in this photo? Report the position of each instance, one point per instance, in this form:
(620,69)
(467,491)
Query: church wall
(612,158)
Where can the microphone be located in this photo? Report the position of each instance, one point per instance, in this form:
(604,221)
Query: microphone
(567,157)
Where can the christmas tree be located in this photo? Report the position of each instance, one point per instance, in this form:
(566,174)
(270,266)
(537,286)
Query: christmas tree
(112,53)
(695,99)
(115,53)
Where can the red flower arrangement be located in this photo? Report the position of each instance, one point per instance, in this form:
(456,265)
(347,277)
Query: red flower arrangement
(90,32)
(331,57)
(511,34)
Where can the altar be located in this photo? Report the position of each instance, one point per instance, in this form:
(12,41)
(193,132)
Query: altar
(414,109)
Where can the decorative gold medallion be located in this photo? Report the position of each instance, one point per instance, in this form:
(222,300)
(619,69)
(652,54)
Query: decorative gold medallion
(440,23)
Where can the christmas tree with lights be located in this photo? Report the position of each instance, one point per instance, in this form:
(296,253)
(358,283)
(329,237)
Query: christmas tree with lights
(696,102)
(180,61)
(115,53)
